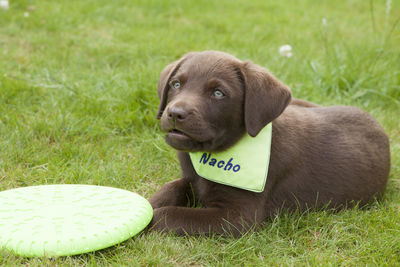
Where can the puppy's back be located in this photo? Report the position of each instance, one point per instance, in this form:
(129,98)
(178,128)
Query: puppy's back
(338,154)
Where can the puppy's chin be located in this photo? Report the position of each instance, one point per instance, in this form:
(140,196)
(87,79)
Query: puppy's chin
(182,142)
(213,143)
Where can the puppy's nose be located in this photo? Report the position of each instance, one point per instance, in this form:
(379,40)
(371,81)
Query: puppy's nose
(177,113)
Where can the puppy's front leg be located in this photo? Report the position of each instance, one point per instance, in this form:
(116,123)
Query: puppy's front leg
(183,220)
(174,193)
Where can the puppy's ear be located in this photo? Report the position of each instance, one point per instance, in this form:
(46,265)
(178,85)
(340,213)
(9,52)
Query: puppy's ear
(265,97)
(163,85)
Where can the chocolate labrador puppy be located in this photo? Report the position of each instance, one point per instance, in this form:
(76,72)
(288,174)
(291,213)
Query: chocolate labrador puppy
(330,157)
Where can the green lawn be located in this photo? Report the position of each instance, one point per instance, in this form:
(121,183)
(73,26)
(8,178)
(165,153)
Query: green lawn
(78,104)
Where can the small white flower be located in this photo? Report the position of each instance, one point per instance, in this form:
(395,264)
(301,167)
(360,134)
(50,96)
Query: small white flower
(324,22)
(26,14)
(285,50)
(388,7)
(4,4)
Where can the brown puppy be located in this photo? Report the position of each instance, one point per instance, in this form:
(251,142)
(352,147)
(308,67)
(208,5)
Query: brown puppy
(320,156)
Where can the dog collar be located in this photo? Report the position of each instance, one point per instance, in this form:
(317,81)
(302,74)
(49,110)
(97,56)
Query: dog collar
(244,165)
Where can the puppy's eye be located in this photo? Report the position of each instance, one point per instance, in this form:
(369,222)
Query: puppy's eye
(218,94)
(176,84)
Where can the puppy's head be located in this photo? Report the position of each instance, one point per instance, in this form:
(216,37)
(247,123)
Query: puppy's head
(209,99)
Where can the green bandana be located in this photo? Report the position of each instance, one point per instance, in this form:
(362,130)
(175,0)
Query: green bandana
(245,165)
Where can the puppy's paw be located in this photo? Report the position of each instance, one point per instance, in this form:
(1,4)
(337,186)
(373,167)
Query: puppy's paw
(158,222)
(170,194)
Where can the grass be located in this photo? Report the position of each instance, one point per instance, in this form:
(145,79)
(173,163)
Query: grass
(78,105)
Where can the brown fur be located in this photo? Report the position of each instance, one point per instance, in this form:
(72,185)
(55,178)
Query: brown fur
(320,156)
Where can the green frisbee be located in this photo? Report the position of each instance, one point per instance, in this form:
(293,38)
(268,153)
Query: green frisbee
(61,220)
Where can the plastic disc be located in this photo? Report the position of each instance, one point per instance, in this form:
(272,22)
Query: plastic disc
(61,220)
